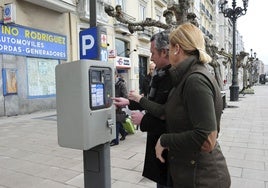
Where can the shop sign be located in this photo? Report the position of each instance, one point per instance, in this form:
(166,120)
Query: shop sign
(112,53)
(9,13)
(24,41)
(122,62)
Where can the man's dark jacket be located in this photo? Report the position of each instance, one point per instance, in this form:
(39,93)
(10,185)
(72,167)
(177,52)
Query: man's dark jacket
(153,168)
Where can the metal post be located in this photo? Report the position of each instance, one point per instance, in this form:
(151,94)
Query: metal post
(97,171)
(93,13)
(234,13)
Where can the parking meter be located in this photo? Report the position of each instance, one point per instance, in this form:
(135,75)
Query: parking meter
(85,114)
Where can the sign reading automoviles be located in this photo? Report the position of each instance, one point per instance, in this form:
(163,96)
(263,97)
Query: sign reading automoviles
(23,41)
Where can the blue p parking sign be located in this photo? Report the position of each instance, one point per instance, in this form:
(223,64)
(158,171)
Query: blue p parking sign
(89,43)
(93,44)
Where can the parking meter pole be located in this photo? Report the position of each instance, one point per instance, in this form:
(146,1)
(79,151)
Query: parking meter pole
(97,172)
(93,13)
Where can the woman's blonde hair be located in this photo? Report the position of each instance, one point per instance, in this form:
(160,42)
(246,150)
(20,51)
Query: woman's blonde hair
(191,40)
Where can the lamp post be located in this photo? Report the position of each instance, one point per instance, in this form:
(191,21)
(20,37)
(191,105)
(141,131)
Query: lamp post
(233,13)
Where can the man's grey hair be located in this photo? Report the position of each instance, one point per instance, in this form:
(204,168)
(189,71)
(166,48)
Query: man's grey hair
(161,40)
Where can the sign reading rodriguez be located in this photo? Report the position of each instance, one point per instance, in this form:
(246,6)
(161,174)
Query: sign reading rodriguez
(23,41)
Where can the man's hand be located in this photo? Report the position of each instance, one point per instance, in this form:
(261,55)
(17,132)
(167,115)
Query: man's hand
(134,96)
(120,101)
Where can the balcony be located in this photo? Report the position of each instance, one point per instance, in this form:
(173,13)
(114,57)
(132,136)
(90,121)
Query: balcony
(121,27)
(57,5)
(145,35)
(161,3)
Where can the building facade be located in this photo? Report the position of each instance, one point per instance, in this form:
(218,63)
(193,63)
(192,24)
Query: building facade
(37,35)
(33,40)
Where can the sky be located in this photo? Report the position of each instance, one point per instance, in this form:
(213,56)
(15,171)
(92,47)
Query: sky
(253,27)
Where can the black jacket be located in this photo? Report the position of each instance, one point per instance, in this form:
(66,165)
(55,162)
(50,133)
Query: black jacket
(153,168)
(120,91)
(145,85)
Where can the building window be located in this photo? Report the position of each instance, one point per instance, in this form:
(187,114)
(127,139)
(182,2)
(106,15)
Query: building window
(84,6)
(9,81)
(122,48)
(41,77)
(122,3)
(142,12)
(158,18)
(101,14)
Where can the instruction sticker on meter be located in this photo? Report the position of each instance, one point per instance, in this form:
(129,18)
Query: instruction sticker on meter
(97,97)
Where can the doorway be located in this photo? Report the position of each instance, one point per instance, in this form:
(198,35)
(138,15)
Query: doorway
(143,61)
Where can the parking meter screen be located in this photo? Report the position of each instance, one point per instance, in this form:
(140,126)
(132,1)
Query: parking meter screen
(97,98)
(100,87)
(96,76)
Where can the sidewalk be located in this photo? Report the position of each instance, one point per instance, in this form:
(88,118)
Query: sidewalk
(244,139)
(30,156)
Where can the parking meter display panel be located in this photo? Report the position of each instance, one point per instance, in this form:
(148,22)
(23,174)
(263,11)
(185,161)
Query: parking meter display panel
(100,81)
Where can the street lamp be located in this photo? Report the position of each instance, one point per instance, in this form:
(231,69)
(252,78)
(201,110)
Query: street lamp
(233,13)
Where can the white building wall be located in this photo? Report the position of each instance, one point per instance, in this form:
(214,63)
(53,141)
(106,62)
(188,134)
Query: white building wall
(66,17)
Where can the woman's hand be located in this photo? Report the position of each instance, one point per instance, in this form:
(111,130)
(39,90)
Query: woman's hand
(134,96)
(120,101)
(159,150)
(136,117)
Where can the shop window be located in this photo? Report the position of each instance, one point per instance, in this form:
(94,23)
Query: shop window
(41,77)
(9,81)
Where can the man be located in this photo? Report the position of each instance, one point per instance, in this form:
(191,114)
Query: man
(147,79)
(159,89)
(120,91)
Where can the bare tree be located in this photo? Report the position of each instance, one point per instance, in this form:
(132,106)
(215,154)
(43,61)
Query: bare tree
(175,15)
(179,11)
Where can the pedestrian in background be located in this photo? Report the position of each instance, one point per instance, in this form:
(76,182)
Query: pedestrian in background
(192,112)
(120,91)
(147,80)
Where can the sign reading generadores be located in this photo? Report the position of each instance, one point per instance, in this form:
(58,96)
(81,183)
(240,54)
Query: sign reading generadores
(23,41)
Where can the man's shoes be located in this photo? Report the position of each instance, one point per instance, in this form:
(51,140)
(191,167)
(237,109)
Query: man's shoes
(124,137)
(113,144)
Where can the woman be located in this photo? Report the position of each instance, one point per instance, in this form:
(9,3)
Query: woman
(192,113)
